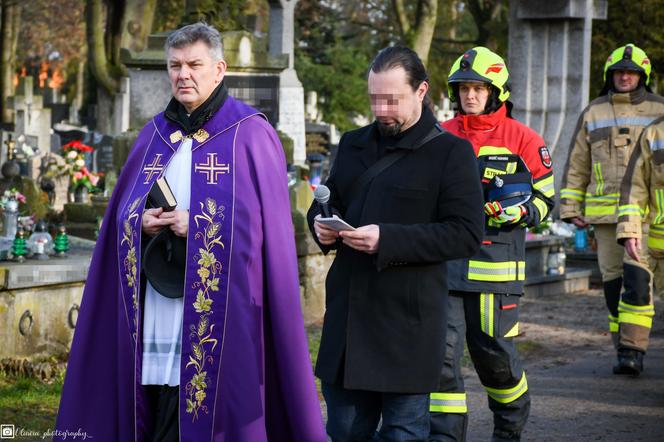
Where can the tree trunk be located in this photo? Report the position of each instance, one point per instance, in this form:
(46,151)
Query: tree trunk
(402,17)
(452,14)
(427,14)
(115,11)
(16,28)
(137,23)
(417,35)
(80,88)
(11,16)
(97,58)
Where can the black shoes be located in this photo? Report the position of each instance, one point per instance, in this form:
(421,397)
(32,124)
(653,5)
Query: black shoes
(629,362)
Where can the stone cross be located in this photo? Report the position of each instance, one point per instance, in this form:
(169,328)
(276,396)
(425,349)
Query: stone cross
(30,116)
(549,64)
(11,147)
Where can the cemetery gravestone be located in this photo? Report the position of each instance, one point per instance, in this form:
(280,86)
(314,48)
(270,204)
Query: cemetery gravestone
(102,158)
(291,93)
(32,119)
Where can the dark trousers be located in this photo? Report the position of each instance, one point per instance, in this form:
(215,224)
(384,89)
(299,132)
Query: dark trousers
(488,322)
(354,415)
(164,403)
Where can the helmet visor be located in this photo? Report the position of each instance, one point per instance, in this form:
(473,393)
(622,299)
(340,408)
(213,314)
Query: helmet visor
(469,75)
(625,65)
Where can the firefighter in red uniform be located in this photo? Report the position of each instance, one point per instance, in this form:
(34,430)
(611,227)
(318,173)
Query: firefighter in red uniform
(515,167)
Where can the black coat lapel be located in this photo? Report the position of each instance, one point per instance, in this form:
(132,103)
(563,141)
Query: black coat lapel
(367,146)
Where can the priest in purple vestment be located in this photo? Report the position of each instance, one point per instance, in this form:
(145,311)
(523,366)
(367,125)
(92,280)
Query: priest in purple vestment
(190,326)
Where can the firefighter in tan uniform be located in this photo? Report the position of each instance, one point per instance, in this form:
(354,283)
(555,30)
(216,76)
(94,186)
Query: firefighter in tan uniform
(607,131)
(642,196)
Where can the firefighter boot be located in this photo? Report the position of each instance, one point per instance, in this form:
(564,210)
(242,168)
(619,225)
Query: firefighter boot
(629,362)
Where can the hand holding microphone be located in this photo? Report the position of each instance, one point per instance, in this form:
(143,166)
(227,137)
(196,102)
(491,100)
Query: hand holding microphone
(326,235)
(322,196)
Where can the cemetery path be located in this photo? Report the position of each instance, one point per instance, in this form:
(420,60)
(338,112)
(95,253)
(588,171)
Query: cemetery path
(568,357)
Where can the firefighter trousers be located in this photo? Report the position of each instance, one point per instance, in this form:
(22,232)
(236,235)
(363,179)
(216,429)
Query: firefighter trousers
(488,322)
(628,288)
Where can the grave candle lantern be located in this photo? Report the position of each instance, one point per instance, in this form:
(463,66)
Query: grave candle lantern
(40,242)
(10,219)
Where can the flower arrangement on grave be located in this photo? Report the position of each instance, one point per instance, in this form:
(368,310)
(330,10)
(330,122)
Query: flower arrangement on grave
(27,223)
(80,175)
(11,195)
(77,146)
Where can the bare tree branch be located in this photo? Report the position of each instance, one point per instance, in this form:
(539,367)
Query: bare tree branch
(402,17)
(439,41)
(484,13)
(495,11)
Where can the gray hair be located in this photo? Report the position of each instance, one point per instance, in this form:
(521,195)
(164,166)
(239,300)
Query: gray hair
(190,34)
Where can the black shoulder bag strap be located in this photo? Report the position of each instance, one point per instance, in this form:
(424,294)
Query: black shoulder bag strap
(391,158)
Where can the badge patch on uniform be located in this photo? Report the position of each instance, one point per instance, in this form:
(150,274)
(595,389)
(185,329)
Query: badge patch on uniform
(545,156)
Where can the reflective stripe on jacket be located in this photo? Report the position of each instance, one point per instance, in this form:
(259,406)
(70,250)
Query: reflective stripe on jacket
(606,133)
(642,190)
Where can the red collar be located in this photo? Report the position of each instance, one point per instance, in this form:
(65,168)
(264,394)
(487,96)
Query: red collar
(484,122)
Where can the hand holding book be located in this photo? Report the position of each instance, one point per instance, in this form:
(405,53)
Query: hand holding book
(162,196)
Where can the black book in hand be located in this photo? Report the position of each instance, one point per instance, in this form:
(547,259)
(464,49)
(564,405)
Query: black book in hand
(162,196)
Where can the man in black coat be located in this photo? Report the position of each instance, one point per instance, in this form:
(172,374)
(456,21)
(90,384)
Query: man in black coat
(383,337)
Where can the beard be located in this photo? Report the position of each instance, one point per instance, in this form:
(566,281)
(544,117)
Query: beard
(388,130)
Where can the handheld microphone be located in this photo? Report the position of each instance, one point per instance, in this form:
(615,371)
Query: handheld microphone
(322,196)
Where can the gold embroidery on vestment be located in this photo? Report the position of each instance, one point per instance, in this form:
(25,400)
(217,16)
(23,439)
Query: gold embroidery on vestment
(208,224)
(176,136)
(201,135)
(152,169)
(129,262)
(212,168)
